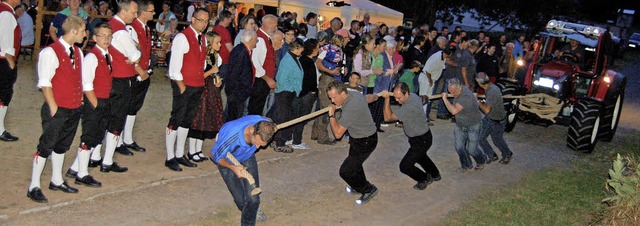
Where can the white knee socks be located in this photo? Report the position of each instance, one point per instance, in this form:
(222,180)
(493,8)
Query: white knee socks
(171,143)
(38,167)
(128,129)
(3,113)
(181,140)
(57,160)
(109,148)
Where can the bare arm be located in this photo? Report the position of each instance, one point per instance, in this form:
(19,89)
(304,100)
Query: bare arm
(453,108)
(52,33)
(388,114)
(336,128)
(484,107)
(91,96)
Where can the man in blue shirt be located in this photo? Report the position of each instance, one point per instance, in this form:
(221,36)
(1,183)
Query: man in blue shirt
(242,137)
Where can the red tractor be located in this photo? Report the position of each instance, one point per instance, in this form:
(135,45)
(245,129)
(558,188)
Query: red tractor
(569,68)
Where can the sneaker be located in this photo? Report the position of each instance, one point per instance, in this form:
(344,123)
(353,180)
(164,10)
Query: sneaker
(351,191)
(366,197)
(300,146)
(491,159)
(438,178)
(421,185)
(479,167)
(260,216)
(384,125)
(283,149)
(506,160)
(289,142)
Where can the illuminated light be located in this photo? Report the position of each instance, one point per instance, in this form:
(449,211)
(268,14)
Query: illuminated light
(545,82)
(590,49)
(607,79)
(520,62)
(632,45)
(536,82)
(321,18)
(556,87)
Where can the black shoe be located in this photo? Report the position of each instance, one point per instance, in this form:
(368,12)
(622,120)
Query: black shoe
(71,173)
(421,185)
(185,162)
(88,181)
(124,150)
(6,136)
(134,146)
(366,197)
(438,178)
(95,163)
(173,165)
(491,159)
(63,187)
(36,195)
(192,157)
(506,160)
(327,142)
(113,168)
(443,117)
(380,130)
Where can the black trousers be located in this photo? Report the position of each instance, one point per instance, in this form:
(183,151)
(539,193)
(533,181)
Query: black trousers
(58,130)
(258,97)
(184,106)
(302,106)
(94,122)
(8,78)
(417,153)
(283,112)
(119,101)
(351,169)
(235,107)
(138,93)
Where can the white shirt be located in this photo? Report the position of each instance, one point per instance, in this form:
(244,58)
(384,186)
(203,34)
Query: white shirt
(434,66)
(89,65)
(312,32)
(48,63)
(190,11)
(179,47)
(26,26)
(124,43)
(259,55)
(7,25)
(132,31)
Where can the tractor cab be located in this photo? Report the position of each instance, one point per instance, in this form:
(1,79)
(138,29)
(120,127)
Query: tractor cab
(568,56)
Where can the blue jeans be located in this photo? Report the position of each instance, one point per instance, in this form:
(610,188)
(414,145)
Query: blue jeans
(467,143)
(241,191)
(496,130)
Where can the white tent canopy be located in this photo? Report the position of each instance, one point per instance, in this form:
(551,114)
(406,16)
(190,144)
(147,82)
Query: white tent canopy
(378,13)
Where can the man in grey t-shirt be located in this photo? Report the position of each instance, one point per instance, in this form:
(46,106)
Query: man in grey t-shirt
(363,138)
(468,118)
(417,129)
(494,122)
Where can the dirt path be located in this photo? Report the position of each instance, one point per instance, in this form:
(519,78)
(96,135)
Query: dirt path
(299,189)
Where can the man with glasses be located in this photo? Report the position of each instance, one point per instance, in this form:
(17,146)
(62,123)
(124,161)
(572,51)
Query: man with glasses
(125,56)
(186,70)
(141,35)
(96,84)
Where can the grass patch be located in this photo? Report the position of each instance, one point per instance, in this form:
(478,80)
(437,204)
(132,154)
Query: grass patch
(557,196)
(547,197)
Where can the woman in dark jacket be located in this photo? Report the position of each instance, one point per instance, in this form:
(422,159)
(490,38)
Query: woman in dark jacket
(303,104)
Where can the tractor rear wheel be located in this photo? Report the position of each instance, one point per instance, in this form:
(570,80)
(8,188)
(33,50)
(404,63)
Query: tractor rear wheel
(585,122)
(610,118)
(508,87)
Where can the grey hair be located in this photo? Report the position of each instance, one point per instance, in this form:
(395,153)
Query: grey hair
(482,78)
(247,35)
(393,28)
(510,44)
(268,17)
(391,44)
(454,83)
(441,40)
(372,26)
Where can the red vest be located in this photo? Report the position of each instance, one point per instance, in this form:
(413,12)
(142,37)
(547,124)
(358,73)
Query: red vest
(67,80)
(269,64)
(17,33)
(119,64)
(193,61)
(102,80)
(145,43)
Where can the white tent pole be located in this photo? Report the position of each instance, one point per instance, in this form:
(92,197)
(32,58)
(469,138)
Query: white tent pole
(279,3)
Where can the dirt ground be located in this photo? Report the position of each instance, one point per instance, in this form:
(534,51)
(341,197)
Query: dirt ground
(302,188)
